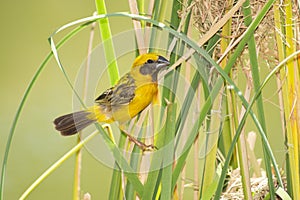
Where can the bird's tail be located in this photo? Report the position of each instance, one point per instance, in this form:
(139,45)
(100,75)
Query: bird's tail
(72,123)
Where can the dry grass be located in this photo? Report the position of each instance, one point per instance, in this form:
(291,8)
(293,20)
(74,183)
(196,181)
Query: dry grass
(206,13)
(259,186)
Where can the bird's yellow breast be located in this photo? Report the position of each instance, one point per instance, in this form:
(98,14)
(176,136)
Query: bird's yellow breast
(144,95)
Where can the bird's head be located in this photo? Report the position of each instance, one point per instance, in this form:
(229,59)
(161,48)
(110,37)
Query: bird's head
(149,65)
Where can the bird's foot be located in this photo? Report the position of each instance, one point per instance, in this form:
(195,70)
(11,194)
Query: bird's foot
(144,147)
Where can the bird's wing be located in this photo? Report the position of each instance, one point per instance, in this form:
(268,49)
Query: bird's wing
(121,94)
(105,98)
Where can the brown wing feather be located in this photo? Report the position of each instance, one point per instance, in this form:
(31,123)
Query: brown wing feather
(121,94)
(105,97)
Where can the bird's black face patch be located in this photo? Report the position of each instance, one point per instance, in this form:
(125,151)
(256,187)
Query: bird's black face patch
(148,68)
(152,67)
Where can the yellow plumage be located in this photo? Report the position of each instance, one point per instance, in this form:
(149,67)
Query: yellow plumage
(131,95)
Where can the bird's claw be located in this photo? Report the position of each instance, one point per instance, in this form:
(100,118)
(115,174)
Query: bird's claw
(149,147)
(144,147)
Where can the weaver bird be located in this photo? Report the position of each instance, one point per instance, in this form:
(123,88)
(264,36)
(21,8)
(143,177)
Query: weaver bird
(130,96)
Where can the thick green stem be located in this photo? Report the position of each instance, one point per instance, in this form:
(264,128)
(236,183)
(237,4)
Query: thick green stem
(256,84)
(107,43)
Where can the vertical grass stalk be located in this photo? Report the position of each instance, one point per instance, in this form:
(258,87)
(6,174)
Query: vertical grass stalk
(22,104)
(229,104)
(166,177)
(78,155)
(256,82)
(107,43)
(114,77)
(291,113)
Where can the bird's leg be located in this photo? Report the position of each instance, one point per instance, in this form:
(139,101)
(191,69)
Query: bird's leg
(141,145)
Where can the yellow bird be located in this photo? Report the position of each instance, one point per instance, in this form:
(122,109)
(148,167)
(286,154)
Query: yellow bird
(131,95)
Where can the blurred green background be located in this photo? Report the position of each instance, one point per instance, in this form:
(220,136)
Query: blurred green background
(26,26)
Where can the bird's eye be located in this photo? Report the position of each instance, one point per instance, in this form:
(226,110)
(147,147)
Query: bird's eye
(150,61)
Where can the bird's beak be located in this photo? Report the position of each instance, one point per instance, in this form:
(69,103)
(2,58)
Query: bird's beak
(162,62)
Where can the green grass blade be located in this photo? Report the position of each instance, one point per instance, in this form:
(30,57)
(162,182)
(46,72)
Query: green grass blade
(57,164)
(194,132)
(15,121)
(166,177)
(116,179)
(256,83)
(265,141)
(199,75)
(170,81)
(185,106)
(153,179)
(155,16)
(107,43)
(122,163)
(164,159)
(205,109)
(134,163)
(291,91)
(22,104)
